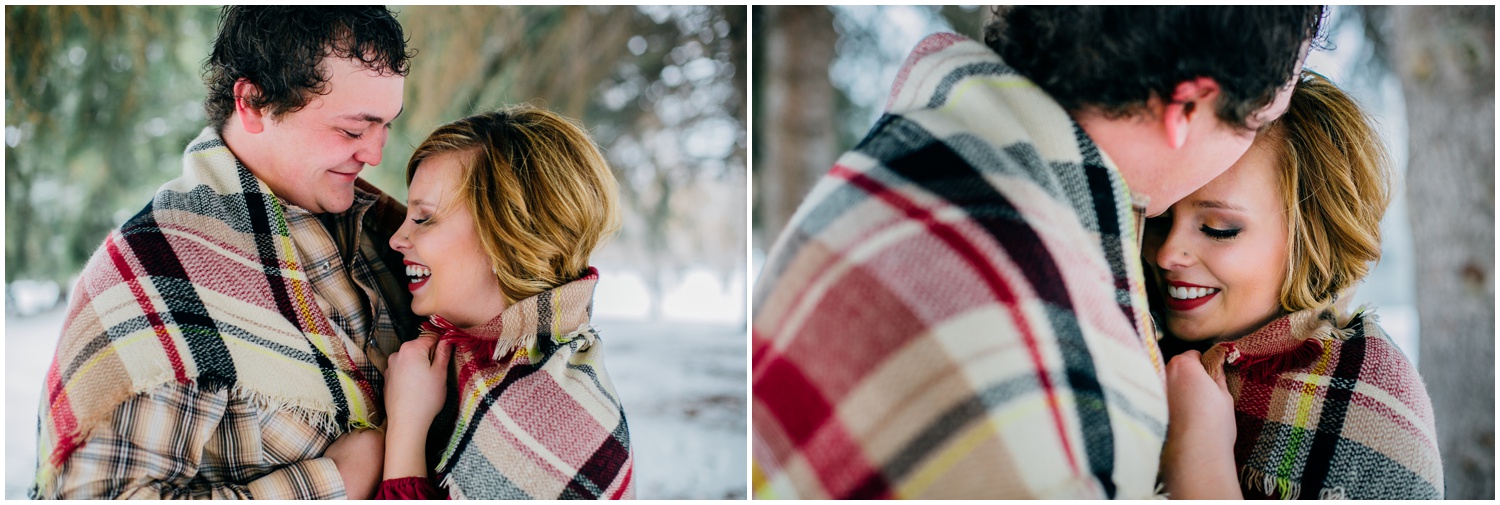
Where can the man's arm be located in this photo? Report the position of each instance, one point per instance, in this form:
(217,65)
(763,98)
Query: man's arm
(169,443)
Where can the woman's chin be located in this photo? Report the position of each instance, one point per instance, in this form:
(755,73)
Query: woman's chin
(1189,334)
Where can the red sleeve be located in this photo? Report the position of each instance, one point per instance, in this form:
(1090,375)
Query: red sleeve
(409,488)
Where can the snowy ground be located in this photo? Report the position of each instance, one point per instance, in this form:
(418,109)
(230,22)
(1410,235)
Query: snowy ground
(684,390)
(683,386)
(29,343)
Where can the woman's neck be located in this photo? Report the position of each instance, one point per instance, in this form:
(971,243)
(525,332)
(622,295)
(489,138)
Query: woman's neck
(477,315)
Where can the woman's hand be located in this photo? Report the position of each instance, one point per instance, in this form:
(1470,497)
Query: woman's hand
(416,380)
(415,387)
(1198,458)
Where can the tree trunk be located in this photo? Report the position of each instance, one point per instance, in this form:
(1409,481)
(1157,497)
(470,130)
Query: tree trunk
(1444,57)
(801,139)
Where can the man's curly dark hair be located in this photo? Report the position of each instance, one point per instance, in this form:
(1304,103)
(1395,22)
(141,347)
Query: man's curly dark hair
(1114,58)
(279,49)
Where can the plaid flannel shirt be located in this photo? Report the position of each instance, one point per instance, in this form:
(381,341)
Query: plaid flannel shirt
(957,310)
(179,441)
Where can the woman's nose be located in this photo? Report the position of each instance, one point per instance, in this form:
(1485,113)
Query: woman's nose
(398,240)
(1171,254)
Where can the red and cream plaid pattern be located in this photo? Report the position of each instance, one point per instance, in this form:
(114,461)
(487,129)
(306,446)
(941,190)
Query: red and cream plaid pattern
(957,309)
(202,288)
(1329,407)
(537,416)
(178,441)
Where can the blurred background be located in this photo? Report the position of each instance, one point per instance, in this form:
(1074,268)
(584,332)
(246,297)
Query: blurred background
(1427,75)
(101,101)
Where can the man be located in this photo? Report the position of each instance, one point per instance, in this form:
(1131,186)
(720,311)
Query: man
(957,309)
(228,341)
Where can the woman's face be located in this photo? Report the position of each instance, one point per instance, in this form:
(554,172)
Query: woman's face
(449,272)
(1220,255)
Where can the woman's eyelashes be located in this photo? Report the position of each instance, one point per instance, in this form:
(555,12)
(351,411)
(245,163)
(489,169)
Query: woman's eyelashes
(1218,234)
(352,135)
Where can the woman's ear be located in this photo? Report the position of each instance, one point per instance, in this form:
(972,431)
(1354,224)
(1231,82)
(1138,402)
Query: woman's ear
(252,119)
(1189,101)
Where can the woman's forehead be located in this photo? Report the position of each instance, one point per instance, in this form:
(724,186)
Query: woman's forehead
(1250,184)
(435,179)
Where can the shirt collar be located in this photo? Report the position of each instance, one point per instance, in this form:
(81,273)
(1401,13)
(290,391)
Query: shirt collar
(363,200)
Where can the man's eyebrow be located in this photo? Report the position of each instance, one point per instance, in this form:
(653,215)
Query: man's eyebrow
(1217,204)
(365,116)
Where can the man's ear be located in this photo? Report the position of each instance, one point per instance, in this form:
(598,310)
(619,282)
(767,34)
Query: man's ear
(252,119)
(1190,99)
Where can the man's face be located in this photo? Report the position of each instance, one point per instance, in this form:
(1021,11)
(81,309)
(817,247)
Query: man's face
(1215,145)
(316,153)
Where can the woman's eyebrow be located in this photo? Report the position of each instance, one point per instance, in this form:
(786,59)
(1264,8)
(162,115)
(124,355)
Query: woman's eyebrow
(1217,204)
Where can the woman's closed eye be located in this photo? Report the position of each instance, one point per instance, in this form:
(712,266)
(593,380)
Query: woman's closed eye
(352,135)
(1218,234)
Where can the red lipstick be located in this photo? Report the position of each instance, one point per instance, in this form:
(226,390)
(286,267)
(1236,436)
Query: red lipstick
(413,286)
(1180,305)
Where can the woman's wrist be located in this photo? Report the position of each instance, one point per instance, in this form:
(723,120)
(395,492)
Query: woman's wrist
(1198,471)
(405,451)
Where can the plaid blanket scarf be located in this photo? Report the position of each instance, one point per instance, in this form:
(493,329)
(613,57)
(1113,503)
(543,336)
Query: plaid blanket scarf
(537,416)
(956,309)
(1329,407)
(202,286)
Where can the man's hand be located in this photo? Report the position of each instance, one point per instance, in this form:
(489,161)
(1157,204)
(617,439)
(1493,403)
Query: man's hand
(358,456)
(1198,458)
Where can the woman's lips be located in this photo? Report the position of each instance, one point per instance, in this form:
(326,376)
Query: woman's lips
(1178,293)
(421,279)
(1190,304)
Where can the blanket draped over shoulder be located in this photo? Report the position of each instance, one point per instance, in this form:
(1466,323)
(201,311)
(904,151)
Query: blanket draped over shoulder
(1327,406)
(202,286)
(957,309)
(537,416)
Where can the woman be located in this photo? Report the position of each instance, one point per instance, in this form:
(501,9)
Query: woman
(1295,396)
(504,209)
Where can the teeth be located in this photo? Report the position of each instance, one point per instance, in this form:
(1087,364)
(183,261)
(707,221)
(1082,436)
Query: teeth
(417,271)
(1189,293)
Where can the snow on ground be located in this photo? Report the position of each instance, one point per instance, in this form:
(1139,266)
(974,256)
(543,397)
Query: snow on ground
(683,386)
(29,343)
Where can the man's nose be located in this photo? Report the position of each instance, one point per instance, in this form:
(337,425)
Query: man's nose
(370,152)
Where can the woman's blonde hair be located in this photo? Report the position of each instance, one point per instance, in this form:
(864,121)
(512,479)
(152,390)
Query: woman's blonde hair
(541,195)
(1335,180)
